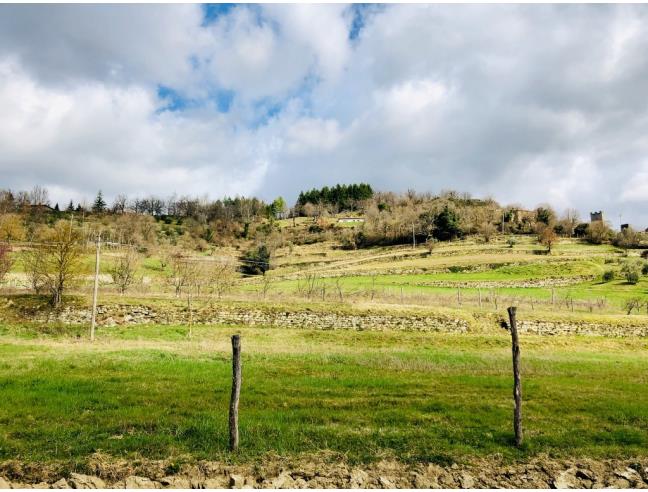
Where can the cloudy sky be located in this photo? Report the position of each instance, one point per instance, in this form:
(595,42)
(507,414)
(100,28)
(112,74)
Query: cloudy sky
(527,104)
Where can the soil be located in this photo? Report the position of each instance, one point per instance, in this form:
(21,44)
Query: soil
(328,471)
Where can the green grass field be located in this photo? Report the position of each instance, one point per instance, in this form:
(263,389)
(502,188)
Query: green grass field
(151,391)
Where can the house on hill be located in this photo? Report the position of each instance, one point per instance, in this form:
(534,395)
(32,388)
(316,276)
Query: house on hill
(350,220)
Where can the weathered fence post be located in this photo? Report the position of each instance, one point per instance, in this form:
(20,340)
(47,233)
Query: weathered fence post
(95,290)
(517,387)
(236,393)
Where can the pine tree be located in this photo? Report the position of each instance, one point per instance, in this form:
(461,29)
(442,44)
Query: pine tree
(56,208)
(99,205)
(70,207)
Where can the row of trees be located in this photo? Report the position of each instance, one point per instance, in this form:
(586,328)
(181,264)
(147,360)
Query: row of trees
(337,198)
(53,263)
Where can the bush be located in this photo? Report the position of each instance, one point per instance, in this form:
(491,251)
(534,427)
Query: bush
(511,242)
(644,269)
(608,275)
(631,271)
(256,261)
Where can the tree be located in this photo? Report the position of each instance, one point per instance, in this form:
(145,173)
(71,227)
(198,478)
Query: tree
(487,230)
(570,220)
(626,239)
(70,207)
(6,261)
(123,271)
(446,225)
(278,208)
(119,205)
(545,215)
(11,228)
(581,230)
(631,270)
(598,232)
(56,261)
(184,273)
(99,205)
(548,237)
(39,196)
(221,277)
(256,261)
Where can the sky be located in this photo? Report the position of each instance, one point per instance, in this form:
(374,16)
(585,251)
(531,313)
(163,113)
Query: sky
(527,104)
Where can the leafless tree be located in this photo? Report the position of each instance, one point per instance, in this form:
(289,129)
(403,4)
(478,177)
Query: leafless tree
(221,277)
(56,261)
(6,261)
(39,196)
(123,271)
(183,273)
(633,303)
(119,205)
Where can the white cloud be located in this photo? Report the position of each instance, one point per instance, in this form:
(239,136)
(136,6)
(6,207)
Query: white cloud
(98,136)
(528,103)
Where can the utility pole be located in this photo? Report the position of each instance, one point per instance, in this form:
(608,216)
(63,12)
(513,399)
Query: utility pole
(96,290)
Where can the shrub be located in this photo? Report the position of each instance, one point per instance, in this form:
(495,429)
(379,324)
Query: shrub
(511,242)
(581,229)
(256,261)
(631,271)
(644,269)
(608,275)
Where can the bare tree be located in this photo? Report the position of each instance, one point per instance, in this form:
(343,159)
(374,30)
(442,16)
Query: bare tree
(123,271)
(487,230)
(6,261)
(266,282)
(53,264)
(221,277)
(183,273)
(39,196)
(119,205)
(633,303)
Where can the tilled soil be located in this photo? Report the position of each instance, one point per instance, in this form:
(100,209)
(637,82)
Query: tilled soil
(324,471)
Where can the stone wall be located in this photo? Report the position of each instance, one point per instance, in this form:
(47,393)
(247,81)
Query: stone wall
(122,314)
(113,315)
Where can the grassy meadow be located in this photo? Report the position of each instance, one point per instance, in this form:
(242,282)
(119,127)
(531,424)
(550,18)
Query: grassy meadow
(153,391)
(157,392)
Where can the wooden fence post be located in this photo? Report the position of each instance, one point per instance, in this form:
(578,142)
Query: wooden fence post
(95,290)
(517,387)
(236,393)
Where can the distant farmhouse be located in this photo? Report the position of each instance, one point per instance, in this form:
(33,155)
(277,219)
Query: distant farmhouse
(350,220)
(596,216)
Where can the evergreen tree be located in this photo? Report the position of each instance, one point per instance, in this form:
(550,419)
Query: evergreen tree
(99,205)
(446,225)
(56,208)
(70,207)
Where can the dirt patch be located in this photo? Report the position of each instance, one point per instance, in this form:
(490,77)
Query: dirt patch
(327,470)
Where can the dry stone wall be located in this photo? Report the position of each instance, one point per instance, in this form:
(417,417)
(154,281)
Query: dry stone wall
(121,314)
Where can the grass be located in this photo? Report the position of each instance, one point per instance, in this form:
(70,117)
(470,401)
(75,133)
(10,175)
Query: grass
(423,397)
